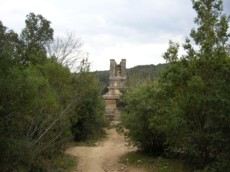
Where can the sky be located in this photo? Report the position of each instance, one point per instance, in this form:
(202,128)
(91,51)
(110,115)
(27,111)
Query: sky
(135,30)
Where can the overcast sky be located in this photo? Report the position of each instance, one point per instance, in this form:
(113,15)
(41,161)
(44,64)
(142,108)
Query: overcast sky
(137,30)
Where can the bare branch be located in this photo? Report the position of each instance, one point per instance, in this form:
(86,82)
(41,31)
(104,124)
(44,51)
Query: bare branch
(67,50)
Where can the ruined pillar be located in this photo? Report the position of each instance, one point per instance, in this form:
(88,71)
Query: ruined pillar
(117,78)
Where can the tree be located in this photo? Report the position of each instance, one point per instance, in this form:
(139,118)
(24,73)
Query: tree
(171,55)
(198,86)
(10,49)
(67,50)
(36,36)
(188,110)
(34,108)
(42,102)
(89,107)
(143,116)
(212,34)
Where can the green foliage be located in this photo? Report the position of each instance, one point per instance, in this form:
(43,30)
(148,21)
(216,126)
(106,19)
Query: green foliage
(31,122)
(153,163)
(37,31)
(35,36)
(201,103)
(212,33)
(41,100)
(143,118)
(89,107)
(171,55)
(9,48)
(61,163)
(60,80)
(198,88)
(190,105)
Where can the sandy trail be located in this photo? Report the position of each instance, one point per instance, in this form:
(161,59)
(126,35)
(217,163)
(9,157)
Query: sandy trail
(104,157)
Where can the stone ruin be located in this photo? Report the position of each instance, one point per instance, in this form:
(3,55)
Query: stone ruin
(117,78)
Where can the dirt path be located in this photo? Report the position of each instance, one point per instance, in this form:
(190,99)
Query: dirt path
(104,156)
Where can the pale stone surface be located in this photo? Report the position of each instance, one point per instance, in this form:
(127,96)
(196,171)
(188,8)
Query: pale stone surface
(117,78)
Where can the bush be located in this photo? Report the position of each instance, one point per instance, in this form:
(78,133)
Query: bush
(89,107)
(142,118)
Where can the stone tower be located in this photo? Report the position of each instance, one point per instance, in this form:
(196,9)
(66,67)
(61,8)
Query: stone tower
(117,78)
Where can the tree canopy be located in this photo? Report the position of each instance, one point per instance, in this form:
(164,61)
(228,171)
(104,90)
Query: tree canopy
(40,99)
(188,107)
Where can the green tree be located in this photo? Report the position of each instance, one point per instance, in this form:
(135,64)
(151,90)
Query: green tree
(188,110)
(10,49)
(34,107)
(171,55)
(34,119)
(198,86)
(89,107)
(42,104)
(36,36)
(143,117)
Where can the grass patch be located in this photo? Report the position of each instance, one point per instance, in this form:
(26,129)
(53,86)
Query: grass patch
(63,163)
(152,163)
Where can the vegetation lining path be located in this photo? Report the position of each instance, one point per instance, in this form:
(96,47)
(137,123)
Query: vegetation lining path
(105,155)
